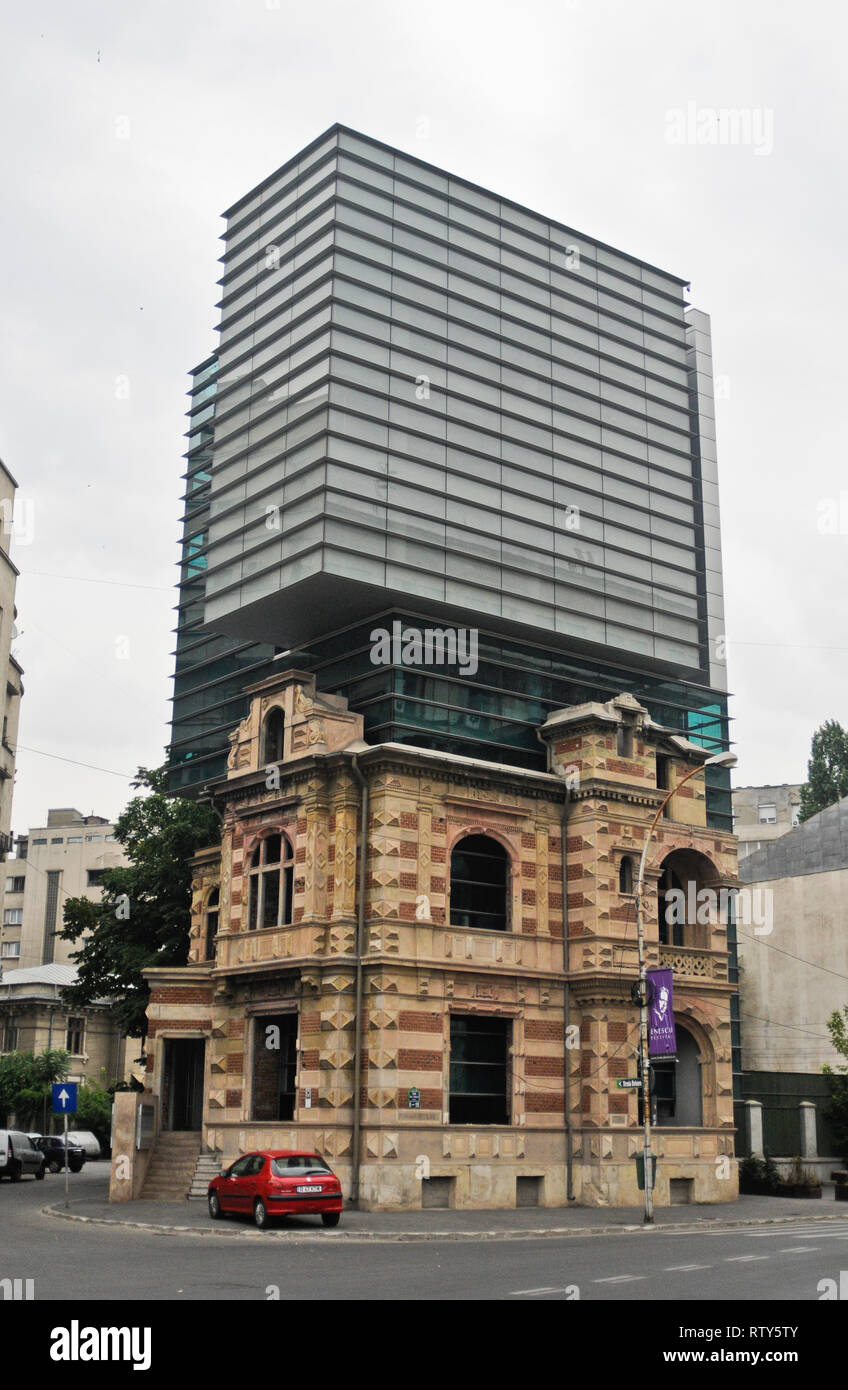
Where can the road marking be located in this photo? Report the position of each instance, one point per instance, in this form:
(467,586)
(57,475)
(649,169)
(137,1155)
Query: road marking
(531,1293)
(620,1279)
(740,1259)
(683,1269)
(837,1232)
(797,1249)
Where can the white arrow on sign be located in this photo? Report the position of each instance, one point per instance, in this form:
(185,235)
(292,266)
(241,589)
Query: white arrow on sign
(64,1097)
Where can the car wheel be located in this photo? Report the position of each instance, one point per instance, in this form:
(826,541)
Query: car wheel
(215,1210)
(331,1218)
(40,1174)
(260,1213)
(16,1171)
(54,1166)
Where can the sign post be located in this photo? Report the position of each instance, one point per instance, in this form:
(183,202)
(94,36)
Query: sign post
(65,1104)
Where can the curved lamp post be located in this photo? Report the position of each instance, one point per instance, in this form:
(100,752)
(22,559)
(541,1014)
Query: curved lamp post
(718,760)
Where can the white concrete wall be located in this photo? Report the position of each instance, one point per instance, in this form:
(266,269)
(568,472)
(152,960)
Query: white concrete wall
(785,1002)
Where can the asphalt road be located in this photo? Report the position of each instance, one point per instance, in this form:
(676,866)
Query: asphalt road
(70,1260)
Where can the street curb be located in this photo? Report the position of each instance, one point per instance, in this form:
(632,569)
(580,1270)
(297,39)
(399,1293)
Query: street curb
(393,1237)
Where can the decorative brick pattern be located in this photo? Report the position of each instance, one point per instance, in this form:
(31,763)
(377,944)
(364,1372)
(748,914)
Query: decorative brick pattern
(420,970)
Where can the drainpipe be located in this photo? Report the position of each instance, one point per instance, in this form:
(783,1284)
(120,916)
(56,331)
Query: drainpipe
(569,1138)
(49,1048)
(360,942)
(569,1148)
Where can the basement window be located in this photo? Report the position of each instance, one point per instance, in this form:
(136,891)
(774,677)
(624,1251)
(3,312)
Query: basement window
(479,1070)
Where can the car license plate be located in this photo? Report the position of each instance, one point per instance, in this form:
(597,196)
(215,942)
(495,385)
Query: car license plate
(310,1188)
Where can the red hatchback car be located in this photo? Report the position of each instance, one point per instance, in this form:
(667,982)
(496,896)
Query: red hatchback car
(277,1182)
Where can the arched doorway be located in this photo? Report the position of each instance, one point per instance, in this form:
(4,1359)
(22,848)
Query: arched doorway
(678,1098)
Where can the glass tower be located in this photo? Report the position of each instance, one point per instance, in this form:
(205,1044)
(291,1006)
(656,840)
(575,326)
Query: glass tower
(430,405)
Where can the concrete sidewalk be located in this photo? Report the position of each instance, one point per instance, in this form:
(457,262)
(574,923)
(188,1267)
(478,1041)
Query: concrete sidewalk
(192,1218)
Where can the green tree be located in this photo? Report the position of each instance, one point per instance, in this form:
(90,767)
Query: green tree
(142,918)
(836,1110)
(827,770)
(25,1081)
(94,1110)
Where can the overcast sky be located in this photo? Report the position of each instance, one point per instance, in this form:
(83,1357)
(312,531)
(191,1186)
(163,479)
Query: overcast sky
(128,129)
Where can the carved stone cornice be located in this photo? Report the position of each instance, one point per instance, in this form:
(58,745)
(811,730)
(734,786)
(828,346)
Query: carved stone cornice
(597,789)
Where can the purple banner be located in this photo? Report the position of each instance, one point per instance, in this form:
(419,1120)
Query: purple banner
(662,1041)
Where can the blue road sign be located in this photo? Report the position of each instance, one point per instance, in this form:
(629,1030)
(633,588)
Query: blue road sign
(64,1097)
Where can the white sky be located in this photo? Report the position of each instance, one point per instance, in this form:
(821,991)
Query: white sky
(110,263)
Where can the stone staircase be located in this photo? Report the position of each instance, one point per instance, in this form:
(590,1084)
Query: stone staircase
(172,1166)
(208,1167)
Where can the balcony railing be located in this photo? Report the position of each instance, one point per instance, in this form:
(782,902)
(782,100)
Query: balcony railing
(692,963)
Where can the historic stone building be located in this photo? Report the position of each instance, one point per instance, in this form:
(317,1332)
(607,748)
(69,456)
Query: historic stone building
(446,1019)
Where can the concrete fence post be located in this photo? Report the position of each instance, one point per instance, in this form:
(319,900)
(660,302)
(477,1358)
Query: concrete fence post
(131,1158)
(754,1127)
(808,1129)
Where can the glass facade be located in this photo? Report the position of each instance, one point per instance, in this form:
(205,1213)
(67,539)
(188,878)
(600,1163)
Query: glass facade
(211,670)
(428,400)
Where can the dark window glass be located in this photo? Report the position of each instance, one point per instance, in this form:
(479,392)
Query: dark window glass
(295,1164)
(275,727)
(271,883)
(274,1067)
(479,1071)
(478,886)
(212,918)
(672,928)
(625,875)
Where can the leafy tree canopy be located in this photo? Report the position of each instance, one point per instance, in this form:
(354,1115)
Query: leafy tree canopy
(94,1109)
(836,1110)
(143,916)
(25,1081)
(827,770)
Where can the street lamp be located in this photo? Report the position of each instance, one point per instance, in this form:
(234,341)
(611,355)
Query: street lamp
(717,760)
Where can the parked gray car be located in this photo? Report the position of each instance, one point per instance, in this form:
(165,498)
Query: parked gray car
(18,1155)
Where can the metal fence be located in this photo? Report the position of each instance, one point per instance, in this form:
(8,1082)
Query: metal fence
(780,1094)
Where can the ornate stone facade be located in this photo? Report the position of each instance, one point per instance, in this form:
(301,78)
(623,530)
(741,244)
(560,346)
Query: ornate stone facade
(559,978)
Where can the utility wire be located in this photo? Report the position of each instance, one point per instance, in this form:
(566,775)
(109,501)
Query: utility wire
(840,975)
(22,747)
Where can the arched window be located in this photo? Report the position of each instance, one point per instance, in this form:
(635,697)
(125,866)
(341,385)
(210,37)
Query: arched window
(478,883)
(271,883)
(275,728)
(689,902)
(625,874)
(212,916)
(671,905)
